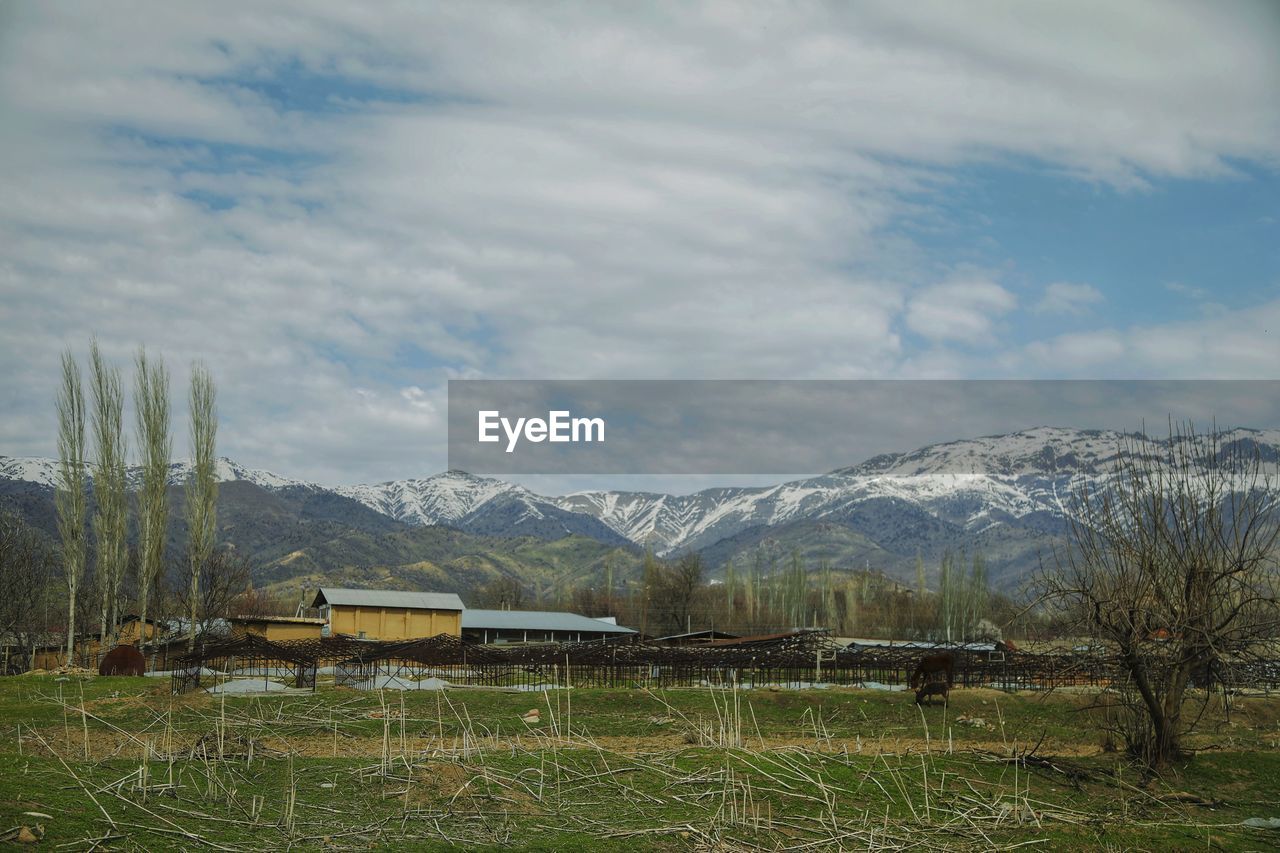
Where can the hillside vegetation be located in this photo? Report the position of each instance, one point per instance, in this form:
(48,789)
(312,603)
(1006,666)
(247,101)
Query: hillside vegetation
(448,560)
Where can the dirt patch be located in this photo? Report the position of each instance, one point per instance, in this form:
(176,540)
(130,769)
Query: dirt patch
(444,780)
(1258,712)
(447,784)
(116,704)
(72,742)
(426,747)
(110,744)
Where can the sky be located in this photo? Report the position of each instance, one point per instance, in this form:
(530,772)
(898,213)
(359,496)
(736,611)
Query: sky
(340,208)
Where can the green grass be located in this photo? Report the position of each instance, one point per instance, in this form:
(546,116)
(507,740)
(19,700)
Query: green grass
(608,770)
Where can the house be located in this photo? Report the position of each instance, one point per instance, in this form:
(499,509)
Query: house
(89,647)
(535,626)
(277,628)
(378,614)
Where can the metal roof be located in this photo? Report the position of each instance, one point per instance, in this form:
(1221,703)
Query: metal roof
(387,598)
(921,645)
(768,638)
(537,620)
(284,620)
(709,633)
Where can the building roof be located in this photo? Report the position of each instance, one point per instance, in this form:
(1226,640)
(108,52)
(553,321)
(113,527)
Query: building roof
(768,638)
(394,598)
(536,620)
(289,620)
(708,634)
(919,645)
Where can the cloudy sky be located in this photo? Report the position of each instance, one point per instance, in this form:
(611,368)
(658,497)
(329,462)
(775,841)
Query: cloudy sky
(339,209)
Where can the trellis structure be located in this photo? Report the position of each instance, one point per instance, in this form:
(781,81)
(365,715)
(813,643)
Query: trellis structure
(795,658)
(443,656)
(246,656)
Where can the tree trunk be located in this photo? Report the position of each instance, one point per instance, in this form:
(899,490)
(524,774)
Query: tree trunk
(1164,736)
(71,623)
(102,617)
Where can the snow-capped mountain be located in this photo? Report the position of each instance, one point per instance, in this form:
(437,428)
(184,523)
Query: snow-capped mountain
(973,484)
(457,499)
(30,469)
(478,505)
(1007,495)
(36,469)
(443,499)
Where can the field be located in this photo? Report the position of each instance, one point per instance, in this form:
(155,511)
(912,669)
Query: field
(118,763)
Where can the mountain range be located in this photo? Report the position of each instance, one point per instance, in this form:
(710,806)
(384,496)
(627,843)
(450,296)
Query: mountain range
(1006,496)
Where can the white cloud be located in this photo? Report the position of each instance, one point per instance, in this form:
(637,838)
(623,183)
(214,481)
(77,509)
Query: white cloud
(1066,298)
(597,191)
(1186,290)
(1242,344)
(965,311)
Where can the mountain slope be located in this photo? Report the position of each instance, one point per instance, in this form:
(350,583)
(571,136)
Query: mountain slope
(449,560)
(44,472)
(1006,495)
(443,499)
(1024,478)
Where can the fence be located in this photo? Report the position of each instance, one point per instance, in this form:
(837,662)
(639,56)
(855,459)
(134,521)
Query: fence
(797,659)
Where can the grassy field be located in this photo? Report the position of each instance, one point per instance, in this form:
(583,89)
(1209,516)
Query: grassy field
(118,763)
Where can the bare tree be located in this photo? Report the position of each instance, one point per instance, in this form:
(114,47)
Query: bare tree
(503,593)
(674,591)
(253,601)
(26,568)
(151,402)
(70,496)
(1171,562)
(110,515)
(223,580)
(202,489)
(591,601)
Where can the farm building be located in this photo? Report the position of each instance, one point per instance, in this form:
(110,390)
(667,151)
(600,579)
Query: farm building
(696,638)
(89,649)
(276,628)
(535,626)
(378,614)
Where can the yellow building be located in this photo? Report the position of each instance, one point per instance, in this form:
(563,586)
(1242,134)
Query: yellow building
(279,627)
(89,648)
(383,614)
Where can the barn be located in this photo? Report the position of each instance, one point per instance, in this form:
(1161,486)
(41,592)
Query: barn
(383,614)
(276,628)
(535,626)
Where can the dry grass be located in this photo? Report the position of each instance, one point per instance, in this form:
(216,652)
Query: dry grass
(219,773)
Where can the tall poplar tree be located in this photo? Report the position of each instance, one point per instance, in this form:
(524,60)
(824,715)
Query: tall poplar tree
(151,402)
(202,488)
(70,496)
(947,595)
(729,588)
(110,514)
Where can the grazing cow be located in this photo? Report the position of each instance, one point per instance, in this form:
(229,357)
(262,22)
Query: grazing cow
(123,660)
(932,688)
(933,665)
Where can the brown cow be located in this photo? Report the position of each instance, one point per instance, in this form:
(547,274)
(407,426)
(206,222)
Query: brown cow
(932,688)
(932,665)
(123,660)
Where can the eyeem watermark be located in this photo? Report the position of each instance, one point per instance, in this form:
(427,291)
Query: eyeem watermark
(779,428)
(559,426)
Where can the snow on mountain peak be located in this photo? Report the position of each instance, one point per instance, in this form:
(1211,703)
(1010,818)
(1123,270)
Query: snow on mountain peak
(442,498)
(35,469)
(971,482)
(968,482)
